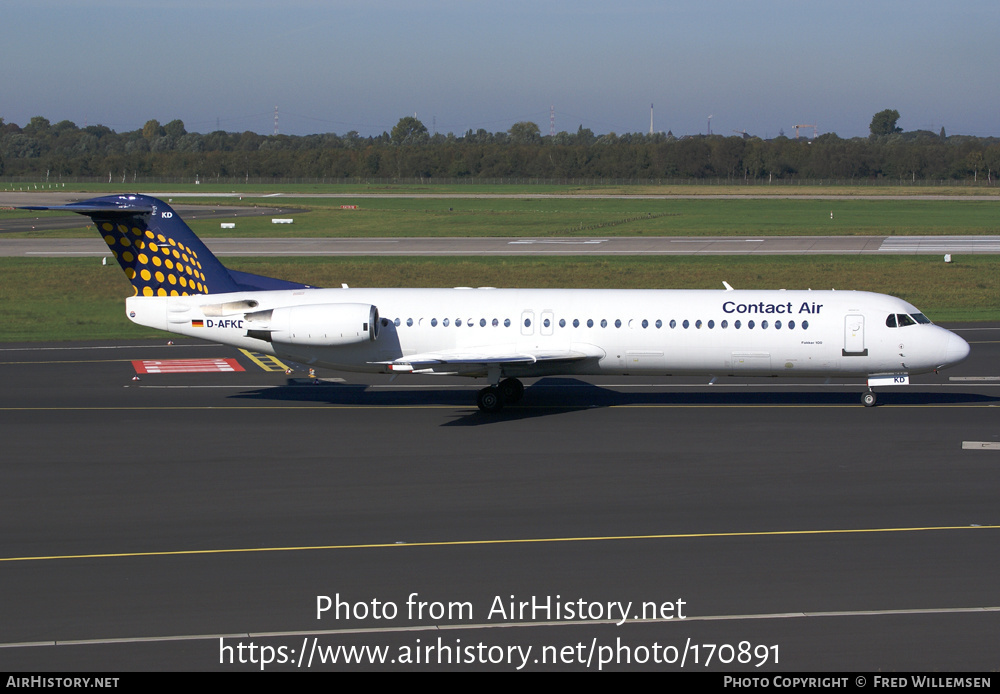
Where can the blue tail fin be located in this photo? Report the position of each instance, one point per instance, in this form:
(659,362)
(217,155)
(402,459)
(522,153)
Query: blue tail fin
(159,253)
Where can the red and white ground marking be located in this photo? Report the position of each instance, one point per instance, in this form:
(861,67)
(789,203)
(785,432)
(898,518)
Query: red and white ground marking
(179,366)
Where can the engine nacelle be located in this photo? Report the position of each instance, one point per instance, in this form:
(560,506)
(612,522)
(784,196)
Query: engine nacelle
(321,325)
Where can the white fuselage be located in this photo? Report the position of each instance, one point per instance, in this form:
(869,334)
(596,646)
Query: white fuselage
(712,332)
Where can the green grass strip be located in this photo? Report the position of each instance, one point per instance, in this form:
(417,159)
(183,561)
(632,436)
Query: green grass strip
(592,217)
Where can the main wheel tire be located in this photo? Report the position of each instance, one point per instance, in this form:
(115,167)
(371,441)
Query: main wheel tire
(489,399)
(868,399)
(511,390)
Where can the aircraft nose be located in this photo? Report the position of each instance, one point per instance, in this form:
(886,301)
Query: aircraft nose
(956,350)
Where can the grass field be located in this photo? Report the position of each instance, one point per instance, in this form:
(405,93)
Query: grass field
(63,299)
(547,217)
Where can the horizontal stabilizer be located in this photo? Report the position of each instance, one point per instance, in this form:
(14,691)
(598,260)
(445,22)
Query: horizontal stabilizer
(100,206)
(159,253)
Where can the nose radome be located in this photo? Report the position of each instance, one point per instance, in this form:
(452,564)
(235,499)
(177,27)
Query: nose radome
(957,350)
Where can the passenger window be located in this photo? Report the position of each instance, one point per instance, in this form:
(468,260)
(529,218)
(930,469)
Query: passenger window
(777,325)
(791,325)
(763,325)
(659,324)
(673,323)
(409,322)
(604,322)
(590,322)
(750,324)
(396,322)
(805,325)
(445,322)
(645,323)
(736,325)
(711,324)
(458,322)
(697,324)
(576,322)
(725,324)
(482,322)
(618,323)
(527,322)
(434,322)
(562,322)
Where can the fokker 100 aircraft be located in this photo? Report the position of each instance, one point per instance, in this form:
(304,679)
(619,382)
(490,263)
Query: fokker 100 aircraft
(504,335)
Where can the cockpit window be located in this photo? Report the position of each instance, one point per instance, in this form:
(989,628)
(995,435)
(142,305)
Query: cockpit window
(890,321)
(903,320)
(921,318)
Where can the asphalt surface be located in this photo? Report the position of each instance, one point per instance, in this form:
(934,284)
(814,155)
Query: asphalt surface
(761,245)
(792,527)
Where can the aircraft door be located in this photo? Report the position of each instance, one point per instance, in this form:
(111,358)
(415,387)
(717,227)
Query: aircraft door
(527,322)
(854,336)
(548,322)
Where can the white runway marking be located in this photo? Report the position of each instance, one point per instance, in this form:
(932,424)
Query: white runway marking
(941,244)
(500,625)
(567,243)
(981,445)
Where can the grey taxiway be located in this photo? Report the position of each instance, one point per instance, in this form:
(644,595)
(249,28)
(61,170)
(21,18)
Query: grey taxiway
(151,524)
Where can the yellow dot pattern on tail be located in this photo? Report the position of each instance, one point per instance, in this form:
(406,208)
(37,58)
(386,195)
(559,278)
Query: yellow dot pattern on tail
(142,253)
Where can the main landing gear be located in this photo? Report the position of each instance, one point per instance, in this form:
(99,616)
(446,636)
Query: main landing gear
(493,398)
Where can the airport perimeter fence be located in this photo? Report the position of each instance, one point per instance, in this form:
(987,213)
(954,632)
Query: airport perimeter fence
(124,182)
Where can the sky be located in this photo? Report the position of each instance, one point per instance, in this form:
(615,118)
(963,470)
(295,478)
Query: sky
(337,66)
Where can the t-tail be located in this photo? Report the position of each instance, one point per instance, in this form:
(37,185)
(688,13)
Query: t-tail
(159,253)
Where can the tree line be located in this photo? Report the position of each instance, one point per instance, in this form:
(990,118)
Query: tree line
(43,149)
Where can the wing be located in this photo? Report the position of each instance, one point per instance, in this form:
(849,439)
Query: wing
(479,359)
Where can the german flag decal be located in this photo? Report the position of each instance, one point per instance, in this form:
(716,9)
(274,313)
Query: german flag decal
(198,323)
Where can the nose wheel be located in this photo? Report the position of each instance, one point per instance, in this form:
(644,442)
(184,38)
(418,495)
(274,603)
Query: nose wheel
(868,399)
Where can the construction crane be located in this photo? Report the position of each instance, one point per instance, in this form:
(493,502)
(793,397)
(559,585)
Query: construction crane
(815,131)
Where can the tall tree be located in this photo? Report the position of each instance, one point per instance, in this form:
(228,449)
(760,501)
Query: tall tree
(38,127)
(524,133)
(152,129)
(174,129)
(409,131)
(884,122)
